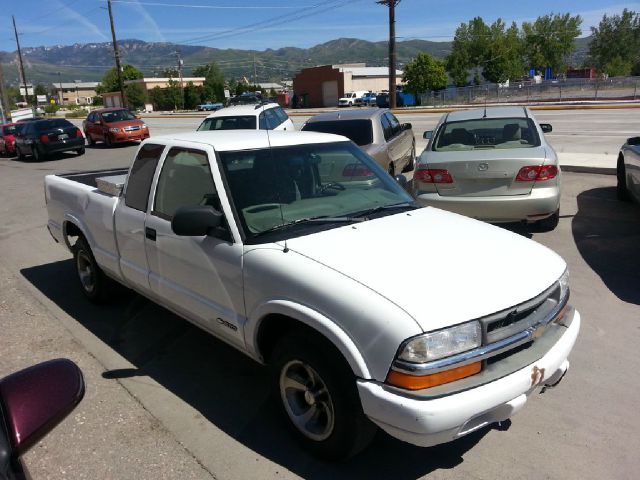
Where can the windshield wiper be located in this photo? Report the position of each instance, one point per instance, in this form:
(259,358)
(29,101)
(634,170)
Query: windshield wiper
(318,219)
(384,208)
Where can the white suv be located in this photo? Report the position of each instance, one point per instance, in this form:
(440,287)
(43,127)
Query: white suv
(249,117)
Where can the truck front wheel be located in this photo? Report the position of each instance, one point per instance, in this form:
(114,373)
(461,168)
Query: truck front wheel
(317,395)
(95,285)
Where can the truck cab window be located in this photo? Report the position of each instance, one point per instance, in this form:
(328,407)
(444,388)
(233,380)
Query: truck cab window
(185,180)
(141,176)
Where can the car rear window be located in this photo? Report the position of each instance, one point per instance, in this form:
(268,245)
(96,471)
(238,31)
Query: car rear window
(359,132)
(41,126)
(10,129)
(229,123)
(487,133)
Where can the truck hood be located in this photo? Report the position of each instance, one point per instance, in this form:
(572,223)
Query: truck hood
(439,267)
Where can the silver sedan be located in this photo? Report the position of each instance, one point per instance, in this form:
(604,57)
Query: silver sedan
(376,131)
(628,170)
(493,164)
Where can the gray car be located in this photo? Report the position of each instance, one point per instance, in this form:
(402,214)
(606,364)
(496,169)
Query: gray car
(493,164)
(628,170)
(376,131)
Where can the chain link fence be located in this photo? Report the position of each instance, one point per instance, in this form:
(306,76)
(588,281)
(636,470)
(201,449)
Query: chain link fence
(569,90)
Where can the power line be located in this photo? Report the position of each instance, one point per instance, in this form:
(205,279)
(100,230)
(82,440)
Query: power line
(213,7)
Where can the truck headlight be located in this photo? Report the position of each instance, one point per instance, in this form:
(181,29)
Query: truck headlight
(442,343)
(563,281)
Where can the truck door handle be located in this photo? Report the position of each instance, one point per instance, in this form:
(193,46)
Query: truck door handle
(150,233)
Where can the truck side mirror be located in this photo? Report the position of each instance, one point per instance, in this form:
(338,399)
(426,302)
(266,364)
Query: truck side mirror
(196,221)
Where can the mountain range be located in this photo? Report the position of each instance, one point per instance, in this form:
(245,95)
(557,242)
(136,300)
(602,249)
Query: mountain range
(89,61)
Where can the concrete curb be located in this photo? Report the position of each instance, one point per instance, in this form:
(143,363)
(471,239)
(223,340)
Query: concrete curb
(584,169)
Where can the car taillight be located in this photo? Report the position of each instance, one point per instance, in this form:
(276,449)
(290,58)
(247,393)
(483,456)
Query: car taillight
(537,173)
(78,133)
(44,138)
(356,170)
(433,175)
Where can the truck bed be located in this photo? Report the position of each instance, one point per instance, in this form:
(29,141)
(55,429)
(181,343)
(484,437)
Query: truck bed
(89,178)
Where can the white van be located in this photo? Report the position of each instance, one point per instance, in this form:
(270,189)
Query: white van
(349,98)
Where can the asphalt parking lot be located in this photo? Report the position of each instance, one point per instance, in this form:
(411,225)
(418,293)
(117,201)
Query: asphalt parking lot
(166,400)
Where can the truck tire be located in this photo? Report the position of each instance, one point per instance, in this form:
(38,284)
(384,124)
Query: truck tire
(317,395)
(95,285)
(550,223)
(621,187)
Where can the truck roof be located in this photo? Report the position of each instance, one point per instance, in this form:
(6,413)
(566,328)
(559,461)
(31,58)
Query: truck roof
(228,140)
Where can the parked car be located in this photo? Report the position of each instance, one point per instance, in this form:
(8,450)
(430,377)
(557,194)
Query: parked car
(493,164)
(114,125)
(268,116)
(8,133)
(272,242)
(368,99)
(210,106)
(628,170)
(350,98)
(44,137)
(377,131)
(34,401)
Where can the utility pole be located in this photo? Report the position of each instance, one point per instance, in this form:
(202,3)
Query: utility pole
(116,54)
(392,49)
(24,78)
(180,63)
(255,71)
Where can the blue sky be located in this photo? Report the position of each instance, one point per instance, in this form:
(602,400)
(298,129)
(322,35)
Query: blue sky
(261,24)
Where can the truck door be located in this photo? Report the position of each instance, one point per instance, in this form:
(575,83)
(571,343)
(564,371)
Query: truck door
(130,216)
(199,277)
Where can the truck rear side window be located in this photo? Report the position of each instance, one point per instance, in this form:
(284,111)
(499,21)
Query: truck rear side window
(141,176)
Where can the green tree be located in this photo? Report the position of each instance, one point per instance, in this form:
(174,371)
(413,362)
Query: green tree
(213,81)
(503,57)
(425,73)
(192,96)
(549,40)
(615,44)
(136,95)
(109,82)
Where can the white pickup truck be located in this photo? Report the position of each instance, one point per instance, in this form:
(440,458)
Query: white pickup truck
(287,246)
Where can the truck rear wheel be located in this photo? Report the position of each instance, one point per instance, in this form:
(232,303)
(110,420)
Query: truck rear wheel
(95,285)
(317,395)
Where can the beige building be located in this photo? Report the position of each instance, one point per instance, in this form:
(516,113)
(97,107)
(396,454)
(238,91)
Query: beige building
(322,86)
(79,93)
(163,82)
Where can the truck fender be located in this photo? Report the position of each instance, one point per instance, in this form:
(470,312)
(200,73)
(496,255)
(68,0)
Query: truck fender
(79,224)
(313,319)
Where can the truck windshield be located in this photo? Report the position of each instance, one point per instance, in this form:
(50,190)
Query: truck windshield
(359,132)
(245,122)
(285,188)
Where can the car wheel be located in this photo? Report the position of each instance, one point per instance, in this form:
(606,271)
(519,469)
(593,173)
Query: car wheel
(37,156)
(622,191)
(107,140)
(80,151)
(95,285)
(317,395)
(89,138)
(550,223)
(21,156)
(412,162)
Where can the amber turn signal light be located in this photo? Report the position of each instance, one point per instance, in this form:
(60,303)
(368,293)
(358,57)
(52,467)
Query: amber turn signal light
(419,382)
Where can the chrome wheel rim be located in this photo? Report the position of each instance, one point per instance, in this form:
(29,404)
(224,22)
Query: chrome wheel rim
(86,272)
(307,400)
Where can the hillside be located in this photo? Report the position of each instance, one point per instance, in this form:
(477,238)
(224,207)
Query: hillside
(88,62)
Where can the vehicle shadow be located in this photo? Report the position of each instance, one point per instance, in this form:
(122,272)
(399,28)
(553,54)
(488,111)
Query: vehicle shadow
(226,387)
(607,234)
(49,158)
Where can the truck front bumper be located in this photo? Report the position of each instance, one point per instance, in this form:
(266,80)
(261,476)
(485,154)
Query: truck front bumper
(427,422)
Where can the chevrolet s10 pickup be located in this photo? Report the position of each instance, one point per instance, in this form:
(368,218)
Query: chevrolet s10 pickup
(286,246)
